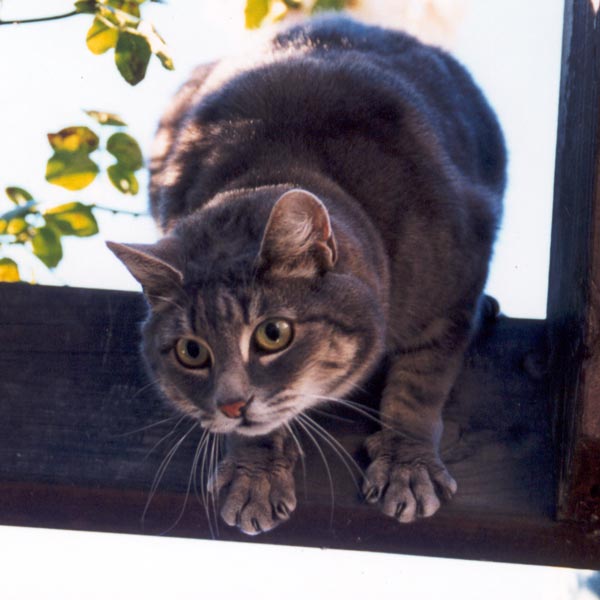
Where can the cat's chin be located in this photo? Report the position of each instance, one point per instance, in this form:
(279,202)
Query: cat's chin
(245,429)
(255,429)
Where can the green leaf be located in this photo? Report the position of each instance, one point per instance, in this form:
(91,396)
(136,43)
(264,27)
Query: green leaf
(113,17)
(106,118)
(123,179)
(132,54)
(9,271)
(128,6)
(86,6)
(74,139)
(71,170)
(18,195)
(255,12)
(101,36)
(73,218)
(70,166)
(47,247)
(126,150)
(329,5)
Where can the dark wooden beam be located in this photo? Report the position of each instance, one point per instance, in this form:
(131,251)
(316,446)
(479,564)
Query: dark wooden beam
(574,295)
(81,440)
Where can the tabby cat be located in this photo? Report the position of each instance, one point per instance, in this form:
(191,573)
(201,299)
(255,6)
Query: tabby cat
(328,200)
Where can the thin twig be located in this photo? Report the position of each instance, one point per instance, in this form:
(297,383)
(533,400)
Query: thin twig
(119,211)
(40,19)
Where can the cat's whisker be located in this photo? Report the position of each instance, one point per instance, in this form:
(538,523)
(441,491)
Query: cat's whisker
(330,415)
(354,404)
(341,452)
(289,428)
(365,411)
(278,398)
(144,388)
(189,486)
(145,428)
(204,479)
(201,496)
(360,388)
(163,467)
(164,437)
(199,452)
(214,464)
(325,463)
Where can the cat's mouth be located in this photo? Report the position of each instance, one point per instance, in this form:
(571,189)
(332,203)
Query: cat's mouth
(242,426)
(252,429)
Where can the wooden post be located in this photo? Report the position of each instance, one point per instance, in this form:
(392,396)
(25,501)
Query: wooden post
(574,294)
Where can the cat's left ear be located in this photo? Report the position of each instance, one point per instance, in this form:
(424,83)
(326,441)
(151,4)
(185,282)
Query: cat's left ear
(158,267)
(298,239)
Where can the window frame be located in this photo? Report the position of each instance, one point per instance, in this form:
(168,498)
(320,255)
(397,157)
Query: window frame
(51,339)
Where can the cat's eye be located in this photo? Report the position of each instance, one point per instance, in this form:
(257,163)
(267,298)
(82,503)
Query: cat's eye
(273,335)
(192,354)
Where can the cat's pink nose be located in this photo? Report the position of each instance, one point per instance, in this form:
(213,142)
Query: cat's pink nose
(233,410)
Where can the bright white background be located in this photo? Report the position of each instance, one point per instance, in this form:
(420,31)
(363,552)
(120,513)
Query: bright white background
(47,76)
(48,565)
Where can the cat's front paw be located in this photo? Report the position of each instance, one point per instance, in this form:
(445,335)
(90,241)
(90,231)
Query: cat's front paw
(406,479)
(255,498)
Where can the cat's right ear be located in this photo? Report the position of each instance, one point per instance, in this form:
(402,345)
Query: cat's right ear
(157,267)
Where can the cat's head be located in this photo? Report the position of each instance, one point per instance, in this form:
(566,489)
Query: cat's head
(252,319)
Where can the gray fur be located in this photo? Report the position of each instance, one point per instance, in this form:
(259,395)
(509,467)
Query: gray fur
(346,179)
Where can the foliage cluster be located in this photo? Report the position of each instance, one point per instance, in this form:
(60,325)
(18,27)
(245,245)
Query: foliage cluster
(117,25)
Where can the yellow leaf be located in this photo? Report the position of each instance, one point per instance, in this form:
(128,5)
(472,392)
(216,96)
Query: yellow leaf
(72,218)
(71,170)
(74,139)
(16,226)
(73,181)
(9,272)
(255,12)
(101,36)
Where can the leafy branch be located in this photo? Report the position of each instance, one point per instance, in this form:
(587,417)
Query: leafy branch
(71,166)
(117,24)
(28,223)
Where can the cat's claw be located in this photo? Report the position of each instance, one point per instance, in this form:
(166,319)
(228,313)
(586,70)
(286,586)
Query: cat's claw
(406,482)
(254,499)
